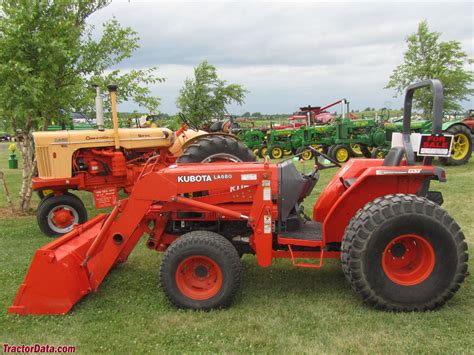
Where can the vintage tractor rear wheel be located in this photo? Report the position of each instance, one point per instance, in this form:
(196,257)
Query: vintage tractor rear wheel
(340,152)
(216,148)
(462,145)
(262,151)
(404,253)
(57,215)
(276,152)
(377,153)
(201,270)
(356,150)
(306,153)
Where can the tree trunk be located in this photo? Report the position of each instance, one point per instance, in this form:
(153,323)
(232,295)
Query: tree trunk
(29,167)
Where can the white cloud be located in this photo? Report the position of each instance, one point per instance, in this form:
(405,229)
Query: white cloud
(286,54)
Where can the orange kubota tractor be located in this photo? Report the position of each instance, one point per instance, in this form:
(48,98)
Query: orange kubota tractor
(399,250)
(105,161)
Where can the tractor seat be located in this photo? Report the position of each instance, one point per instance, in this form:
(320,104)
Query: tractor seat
(394,157)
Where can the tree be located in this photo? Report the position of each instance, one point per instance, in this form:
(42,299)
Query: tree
(429,58)
(246,114)
(257,115)
(205,96)
(48,61)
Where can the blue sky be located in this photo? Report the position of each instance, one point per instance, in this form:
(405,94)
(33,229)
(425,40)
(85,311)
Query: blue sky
(287,54)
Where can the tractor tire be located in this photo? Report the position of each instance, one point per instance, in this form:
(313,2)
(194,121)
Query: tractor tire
(356,150)
(462,145)
(57,215)
(377,153)
(404,253)
(276,152)
(201,270)
(306,153)
(365,151)
(216,148)
(262,151)
(340,152)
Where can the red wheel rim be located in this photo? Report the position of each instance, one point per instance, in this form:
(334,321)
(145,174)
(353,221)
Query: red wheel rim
(408,260)
(199,277)
(62,218)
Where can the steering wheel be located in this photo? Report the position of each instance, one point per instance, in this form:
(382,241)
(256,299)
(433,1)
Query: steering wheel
(327,157)
(190,123)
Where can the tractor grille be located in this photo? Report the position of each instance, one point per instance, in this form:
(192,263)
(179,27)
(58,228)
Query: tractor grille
(43,160)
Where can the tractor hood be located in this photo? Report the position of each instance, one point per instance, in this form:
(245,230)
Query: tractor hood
(130,138)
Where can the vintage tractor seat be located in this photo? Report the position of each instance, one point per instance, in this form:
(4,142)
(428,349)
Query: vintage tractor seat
(394,157)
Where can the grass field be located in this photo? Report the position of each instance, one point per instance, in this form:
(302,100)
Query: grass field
(279,309)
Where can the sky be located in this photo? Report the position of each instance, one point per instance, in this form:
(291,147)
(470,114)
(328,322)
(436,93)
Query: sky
(286,54)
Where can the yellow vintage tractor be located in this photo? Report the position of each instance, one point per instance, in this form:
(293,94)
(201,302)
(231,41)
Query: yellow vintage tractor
(105,161)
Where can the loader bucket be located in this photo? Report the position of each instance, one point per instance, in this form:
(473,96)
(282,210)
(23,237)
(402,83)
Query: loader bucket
(57,279)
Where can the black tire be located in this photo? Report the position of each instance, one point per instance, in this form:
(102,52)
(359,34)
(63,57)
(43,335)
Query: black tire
(262,151)
(198,244)
(333,152)
(216,148)
(276,152)
(365,151)
(364,253)
(353,152)
(375,153)
(50,203)
(459,132)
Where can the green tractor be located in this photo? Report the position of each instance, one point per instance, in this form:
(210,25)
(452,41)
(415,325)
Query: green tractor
(462,139)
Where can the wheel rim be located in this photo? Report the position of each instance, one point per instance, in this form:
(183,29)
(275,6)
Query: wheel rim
(307,154)
(287,152)
(356,148)
(221,157)
(277,153)
(342,155)
(199,277)
(62,218)
(460,147)
(264,151)
(255,151)
(408,260)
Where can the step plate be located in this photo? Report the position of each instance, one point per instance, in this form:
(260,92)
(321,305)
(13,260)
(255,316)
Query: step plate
(310,234)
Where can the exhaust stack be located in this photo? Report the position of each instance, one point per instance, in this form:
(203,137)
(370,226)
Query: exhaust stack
(99,109)
(113,103)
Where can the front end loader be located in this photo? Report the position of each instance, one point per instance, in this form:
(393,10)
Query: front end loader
(107,161)
(399,250)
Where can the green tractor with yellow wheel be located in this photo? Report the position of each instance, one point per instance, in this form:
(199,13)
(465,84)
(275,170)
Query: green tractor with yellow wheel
(461,149)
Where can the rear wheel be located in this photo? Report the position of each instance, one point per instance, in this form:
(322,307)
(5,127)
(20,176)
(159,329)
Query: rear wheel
(276,152)
(201,270)
(340,152)
(262,151)
(462,145)
(377,153)
(356,150)
(57,215)
(216,148)
(404,253)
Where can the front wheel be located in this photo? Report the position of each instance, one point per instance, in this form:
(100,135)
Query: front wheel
(57,215)
(404,253)
(200,270)
(276,152)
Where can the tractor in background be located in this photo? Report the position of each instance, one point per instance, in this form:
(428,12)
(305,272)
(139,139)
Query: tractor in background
(107,161)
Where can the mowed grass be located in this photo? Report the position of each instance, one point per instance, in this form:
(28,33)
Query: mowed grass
(279,309)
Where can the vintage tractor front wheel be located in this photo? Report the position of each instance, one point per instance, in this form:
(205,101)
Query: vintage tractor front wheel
(276,152)
(57,215)
(340,152)
(356,150)
(377,153)
(216,148)
(404,253)
(201,270)
(462,145)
